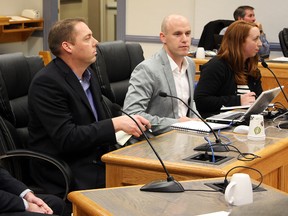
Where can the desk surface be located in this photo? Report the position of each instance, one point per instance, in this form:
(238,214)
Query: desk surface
(137,164)
(131,201)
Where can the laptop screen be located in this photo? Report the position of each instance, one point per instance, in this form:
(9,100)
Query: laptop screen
(257,107)
(263,101)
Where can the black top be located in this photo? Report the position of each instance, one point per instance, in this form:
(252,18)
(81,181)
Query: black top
(217,87)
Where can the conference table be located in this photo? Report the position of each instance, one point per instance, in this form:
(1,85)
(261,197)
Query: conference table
(280,69)
(137,164)
(131,201)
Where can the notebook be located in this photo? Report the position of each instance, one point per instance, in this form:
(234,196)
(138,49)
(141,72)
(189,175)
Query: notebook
(198,126)
(258,107)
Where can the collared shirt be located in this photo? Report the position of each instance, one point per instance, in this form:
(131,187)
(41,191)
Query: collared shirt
(181,84)
(85,82)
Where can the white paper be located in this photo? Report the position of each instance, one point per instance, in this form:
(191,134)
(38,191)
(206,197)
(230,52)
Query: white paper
(17,18)
(284,59)
(235,107)
(198,126)
(220,213)
(122,137)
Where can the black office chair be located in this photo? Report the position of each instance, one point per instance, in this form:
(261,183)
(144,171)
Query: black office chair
(16,159)
(210,38)
(283,39)
(16,73)
(115,62)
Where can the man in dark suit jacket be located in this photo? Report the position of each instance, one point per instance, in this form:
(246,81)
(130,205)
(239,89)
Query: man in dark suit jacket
(17,199)
(69,118)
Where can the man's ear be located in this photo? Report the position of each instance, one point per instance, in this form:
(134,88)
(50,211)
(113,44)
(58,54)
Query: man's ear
(162,37)
(67,46)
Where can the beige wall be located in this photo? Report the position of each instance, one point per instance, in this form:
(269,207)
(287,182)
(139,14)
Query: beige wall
(74,10)
(15,7)
(144,18)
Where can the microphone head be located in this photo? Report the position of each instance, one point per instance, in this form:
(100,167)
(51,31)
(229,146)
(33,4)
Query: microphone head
(162,94)
(264,64)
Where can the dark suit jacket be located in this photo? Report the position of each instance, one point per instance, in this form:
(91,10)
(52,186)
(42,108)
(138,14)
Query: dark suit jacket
(10,189)
(62,124)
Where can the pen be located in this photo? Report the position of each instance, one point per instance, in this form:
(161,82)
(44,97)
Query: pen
(149,129)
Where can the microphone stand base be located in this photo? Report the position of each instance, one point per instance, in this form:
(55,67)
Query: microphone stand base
(163,186)
(216,147)
(283,125)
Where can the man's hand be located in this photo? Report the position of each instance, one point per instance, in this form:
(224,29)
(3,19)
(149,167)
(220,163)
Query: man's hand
(184,119)
(260,27)
(36,204)
(129,126)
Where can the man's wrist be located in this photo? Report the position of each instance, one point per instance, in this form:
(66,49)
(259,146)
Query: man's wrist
(25,204)
(24,193)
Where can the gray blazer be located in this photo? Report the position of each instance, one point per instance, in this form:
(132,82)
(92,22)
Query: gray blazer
(148,79)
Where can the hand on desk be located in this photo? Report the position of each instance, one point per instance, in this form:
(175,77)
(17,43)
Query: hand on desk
(126,124)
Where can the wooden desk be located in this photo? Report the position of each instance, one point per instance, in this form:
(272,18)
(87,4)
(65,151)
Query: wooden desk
(268,80)
(137,164)
(131,201)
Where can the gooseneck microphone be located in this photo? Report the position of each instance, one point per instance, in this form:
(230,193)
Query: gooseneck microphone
(283,125)
(169,185)
(217,145)
(265,65)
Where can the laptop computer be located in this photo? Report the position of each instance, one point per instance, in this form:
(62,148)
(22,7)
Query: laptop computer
(236,116)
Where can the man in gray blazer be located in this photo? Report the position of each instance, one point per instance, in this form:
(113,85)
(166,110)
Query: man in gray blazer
(169,71)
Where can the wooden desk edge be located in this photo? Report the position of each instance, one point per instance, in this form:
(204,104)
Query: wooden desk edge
(154,165)
(83,205)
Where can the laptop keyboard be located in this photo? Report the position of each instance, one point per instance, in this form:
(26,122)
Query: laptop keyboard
(234,116)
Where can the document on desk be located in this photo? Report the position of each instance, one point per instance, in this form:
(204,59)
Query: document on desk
(223,108)
(220,213)
(279,59)
(122,137)
(198,126)
(18,18)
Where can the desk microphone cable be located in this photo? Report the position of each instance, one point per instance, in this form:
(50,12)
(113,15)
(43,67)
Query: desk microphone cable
(244,156)
(211,145)
(236,167)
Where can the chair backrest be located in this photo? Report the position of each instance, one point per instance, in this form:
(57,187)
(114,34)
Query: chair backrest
(212,28)
(283,39)
(17,160)
(115,62)
(16,73)
(8,140)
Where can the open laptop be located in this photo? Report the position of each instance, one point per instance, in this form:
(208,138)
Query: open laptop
(236,117)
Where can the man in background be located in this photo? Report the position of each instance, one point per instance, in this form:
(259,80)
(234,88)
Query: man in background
(247,14)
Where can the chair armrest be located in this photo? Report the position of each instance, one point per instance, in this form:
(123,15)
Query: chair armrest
(61,165)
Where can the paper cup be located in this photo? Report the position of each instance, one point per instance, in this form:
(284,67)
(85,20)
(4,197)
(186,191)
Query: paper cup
(200,53)
(256,128)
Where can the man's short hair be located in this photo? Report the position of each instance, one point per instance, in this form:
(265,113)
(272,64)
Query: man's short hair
(241,11)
